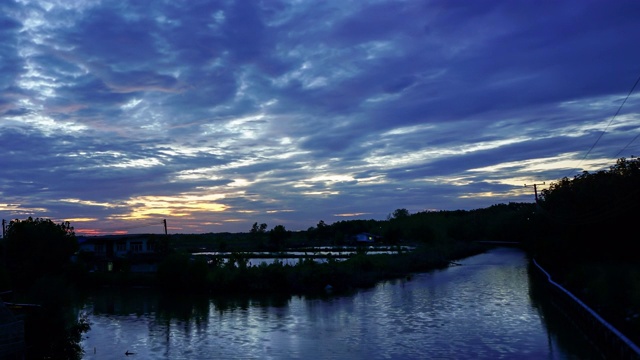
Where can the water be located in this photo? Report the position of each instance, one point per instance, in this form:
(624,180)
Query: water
(483,309)
(338,254)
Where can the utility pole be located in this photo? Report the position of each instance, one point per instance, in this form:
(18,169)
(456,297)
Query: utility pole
(164,221)
(535,189)
(4,248)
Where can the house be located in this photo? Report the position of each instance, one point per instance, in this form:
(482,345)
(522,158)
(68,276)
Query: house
(365,238)
(116,245)
(115,252)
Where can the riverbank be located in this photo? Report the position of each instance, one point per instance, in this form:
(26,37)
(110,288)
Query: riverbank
(612,289)
(611,342)
(481,309)
(235,275)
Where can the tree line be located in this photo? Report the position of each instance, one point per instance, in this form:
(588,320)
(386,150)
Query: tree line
(577,218)
(591,216)
(588,218)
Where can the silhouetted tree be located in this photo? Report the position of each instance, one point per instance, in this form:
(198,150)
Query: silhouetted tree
(38,256)
(591,215)
(312,234)
(54,330)
(258,229)
(323,230)
(277,237)
(399,214)
(38,247)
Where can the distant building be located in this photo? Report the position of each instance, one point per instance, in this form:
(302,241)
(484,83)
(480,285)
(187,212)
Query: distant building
(114,252)
(365,238)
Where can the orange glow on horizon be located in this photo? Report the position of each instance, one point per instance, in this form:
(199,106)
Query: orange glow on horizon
(98,232)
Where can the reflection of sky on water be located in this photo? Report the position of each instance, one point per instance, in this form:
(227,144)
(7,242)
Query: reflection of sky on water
(319,251)
(480,310)
(338,254)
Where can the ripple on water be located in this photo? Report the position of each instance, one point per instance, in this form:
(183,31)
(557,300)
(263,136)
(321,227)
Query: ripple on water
(480,310)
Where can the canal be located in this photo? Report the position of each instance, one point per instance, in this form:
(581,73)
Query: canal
(487,307)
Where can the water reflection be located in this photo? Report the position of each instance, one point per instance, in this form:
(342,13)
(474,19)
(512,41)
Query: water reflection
(319,254)
(479,310)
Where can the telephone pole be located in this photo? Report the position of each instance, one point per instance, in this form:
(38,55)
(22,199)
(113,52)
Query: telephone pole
(4,222)
(535,189)
(164,221)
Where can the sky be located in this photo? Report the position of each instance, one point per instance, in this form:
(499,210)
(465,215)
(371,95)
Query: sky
(213,115)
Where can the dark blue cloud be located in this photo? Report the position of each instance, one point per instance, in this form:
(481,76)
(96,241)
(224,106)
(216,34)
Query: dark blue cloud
(10,62)
(292,112)
(108,35)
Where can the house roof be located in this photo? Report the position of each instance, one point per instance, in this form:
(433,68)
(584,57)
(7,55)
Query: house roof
(105,238)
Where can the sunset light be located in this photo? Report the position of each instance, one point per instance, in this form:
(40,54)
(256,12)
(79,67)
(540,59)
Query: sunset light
(215,115)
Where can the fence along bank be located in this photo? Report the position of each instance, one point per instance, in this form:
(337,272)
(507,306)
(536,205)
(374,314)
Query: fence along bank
(612,343)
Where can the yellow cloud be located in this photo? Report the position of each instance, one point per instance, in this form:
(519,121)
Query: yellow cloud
(74,220)
(176,206)
(88,202)
(351,214)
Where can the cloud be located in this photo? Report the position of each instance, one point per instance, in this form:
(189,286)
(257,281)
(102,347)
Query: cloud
(219,114)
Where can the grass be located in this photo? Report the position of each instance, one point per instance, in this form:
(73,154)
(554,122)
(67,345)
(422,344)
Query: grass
(234,275)
(612,289)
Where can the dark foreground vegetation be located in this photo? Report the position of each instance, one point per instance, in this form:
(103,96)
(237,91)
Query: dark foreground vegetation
(586,236)
(236,276)
(36,270)
(581,230)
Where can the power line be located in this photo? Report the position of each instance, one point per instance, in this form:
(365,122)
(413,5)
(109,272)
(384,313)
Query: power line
(638,135)
(614,116)
(609,124)
(626,146)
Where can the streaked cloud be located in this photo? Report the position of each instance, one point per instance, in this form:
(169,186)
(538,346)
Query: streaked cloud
(215,115)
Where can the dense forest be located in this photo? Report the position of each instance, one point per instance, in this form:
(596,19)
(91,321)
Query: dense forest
(585,235)
(500,222)
(592,216)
